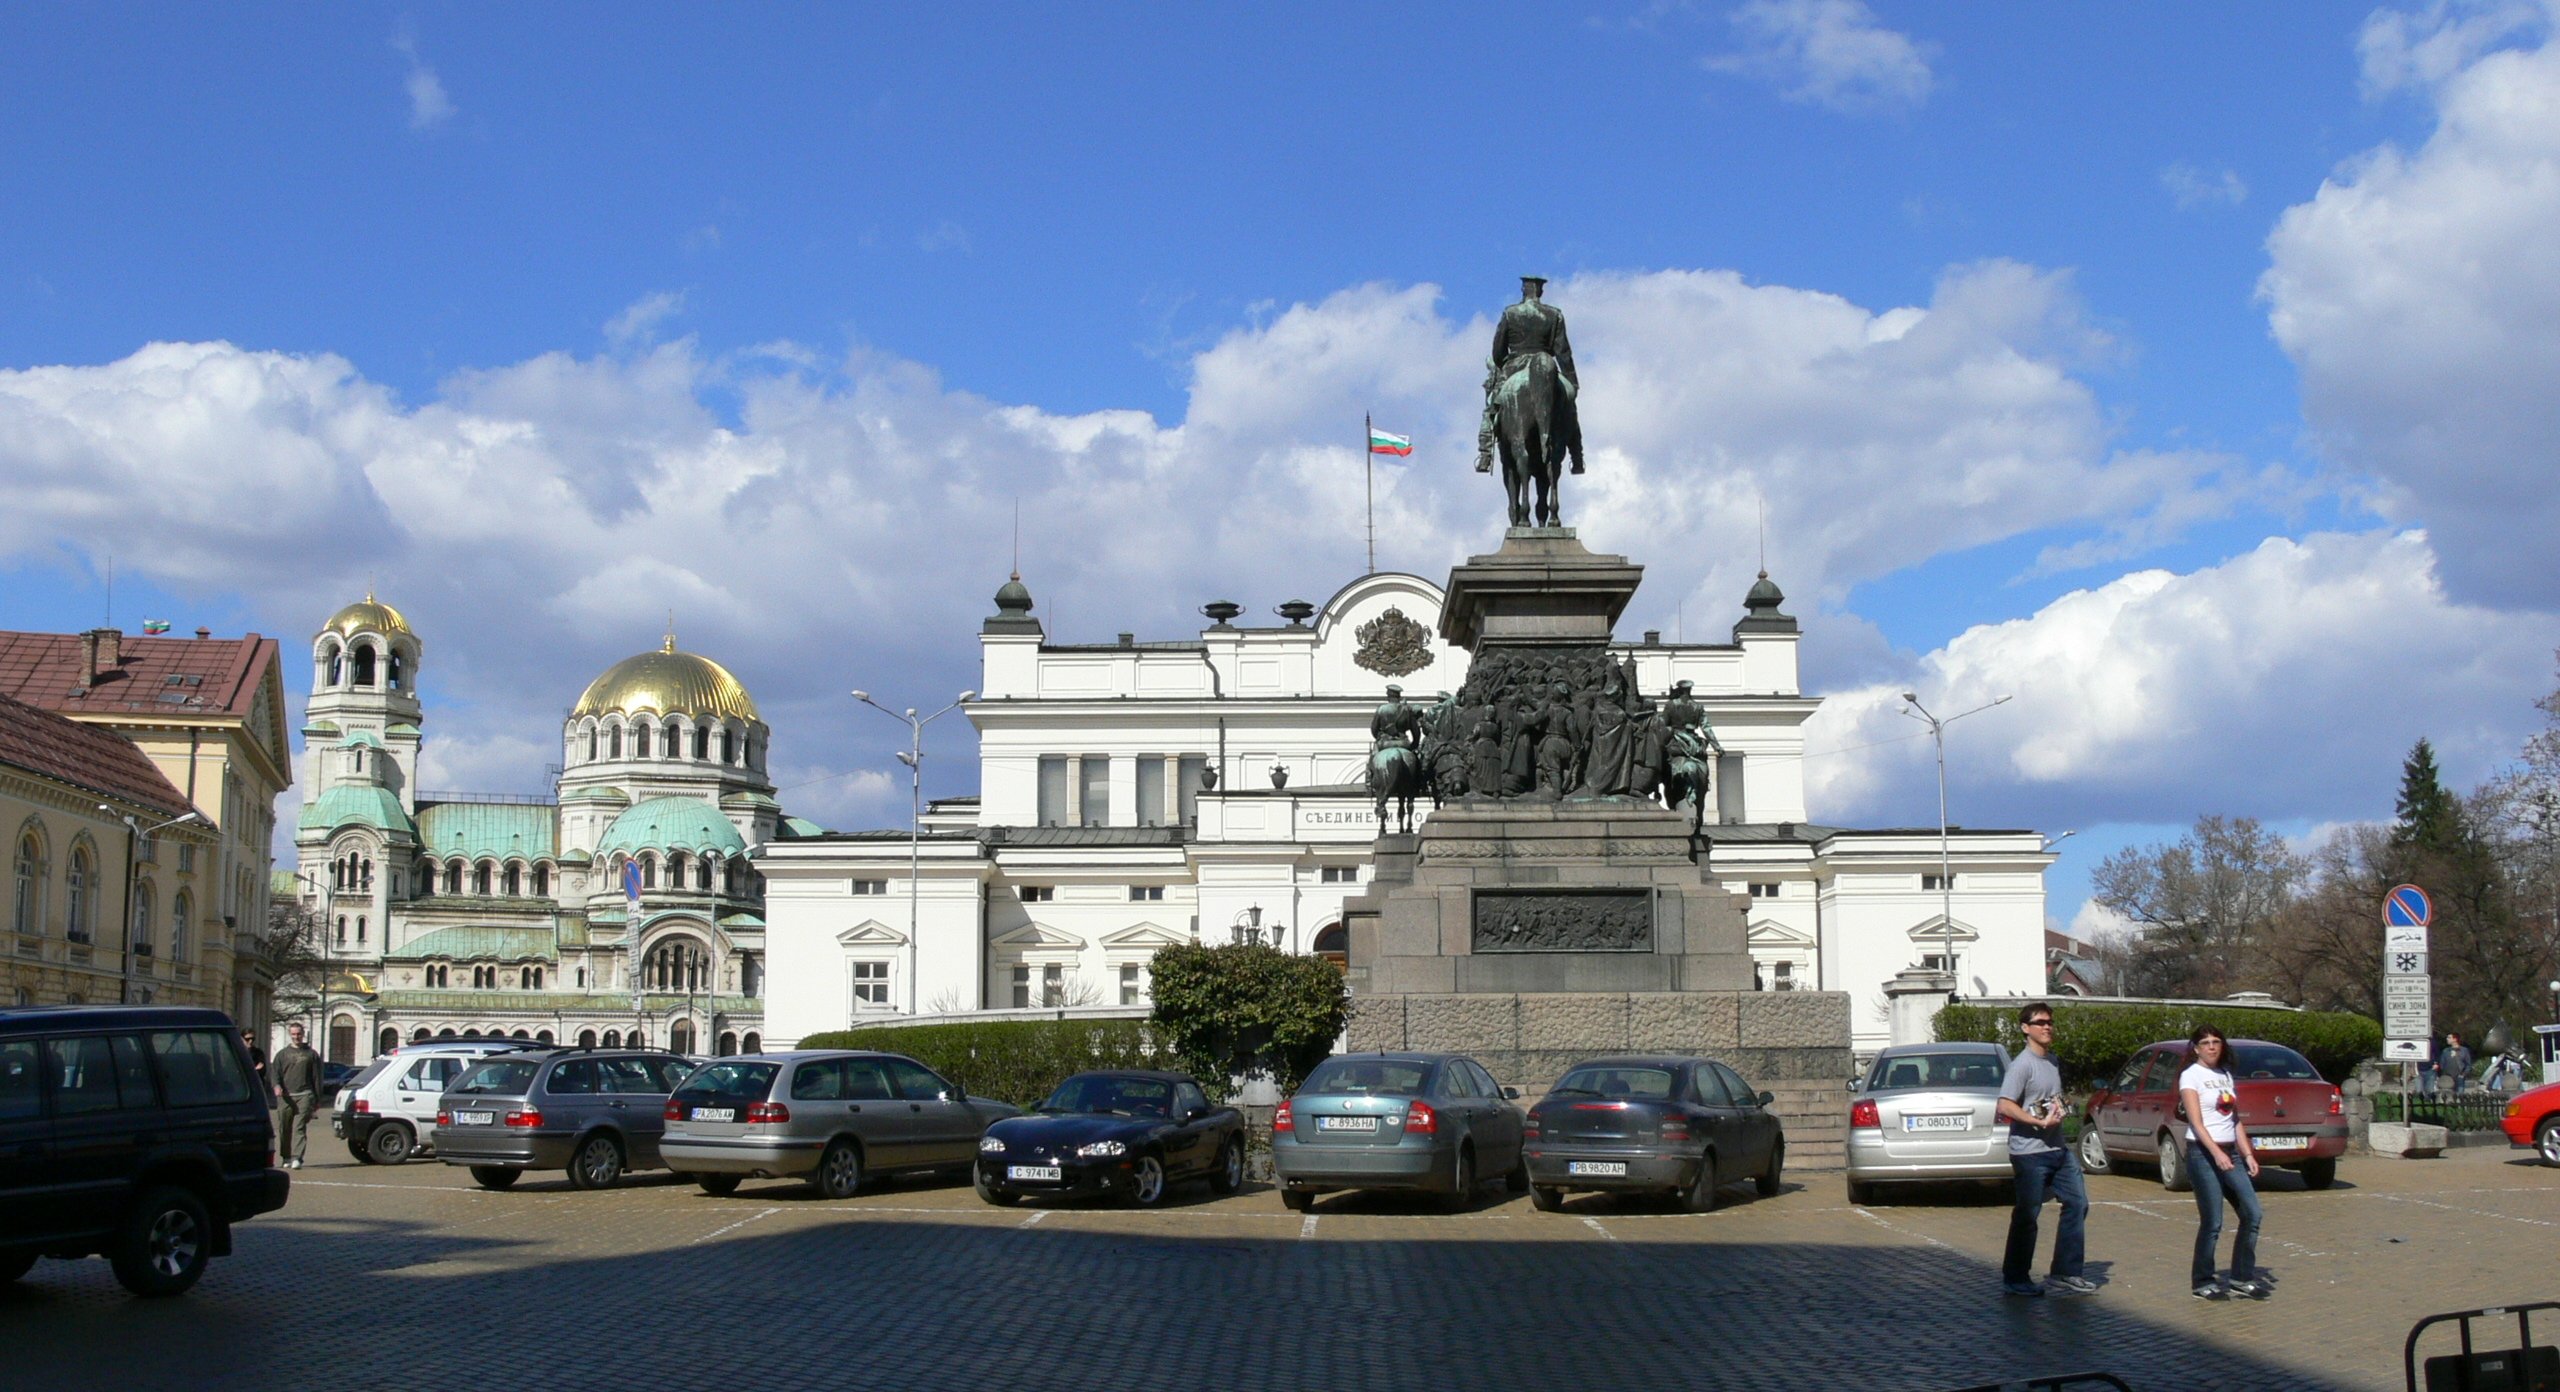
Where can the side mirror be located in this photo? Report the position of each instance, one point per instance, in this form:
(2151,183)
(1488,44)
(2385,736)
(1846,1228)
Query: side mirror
(943,1096)
(1856,1083)
(1192,1114)
(1768,1097)
(1511,1094)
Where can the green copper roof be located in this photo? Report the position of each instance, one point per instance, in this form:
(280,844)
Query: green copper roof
(356,804)
(400,728)
(283,884)
(362,738)
(496,829)
(671,823)
(744,1012)
(595,795)
(479,944)
(801,826)
(741,920)
(747,798)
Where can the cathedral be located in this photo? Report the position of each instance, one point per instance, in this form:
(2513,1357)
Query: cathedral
(624,907)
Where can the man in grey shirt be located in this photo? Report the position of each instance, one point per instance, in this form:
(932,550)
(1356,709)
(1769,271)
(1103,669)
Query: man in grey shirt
(2031,1102)
(296,1071)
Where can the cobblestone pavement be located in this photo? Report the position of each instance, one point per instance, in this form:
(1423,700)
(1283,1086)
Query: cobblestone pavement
(411,1277)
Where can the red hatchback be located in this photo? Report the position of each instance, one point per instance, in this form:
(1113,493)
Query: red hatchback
(2295,1118)
(2533,1119)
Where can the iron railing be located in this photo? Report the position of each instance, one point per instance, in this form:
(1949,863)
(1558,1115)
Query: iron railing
(2463,1111)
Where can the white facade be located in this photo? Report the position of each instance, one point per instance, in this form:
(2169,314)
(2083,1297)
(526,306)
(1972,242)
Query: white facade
(1091,843)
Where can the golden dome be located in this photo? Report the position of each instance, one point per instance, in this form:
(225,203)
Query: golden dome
(667,682)
(367,614)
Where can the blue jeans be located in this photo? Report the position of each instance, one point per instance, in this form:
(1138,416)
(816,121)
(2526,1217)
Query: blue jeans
(2210,1185)
(2054,1174)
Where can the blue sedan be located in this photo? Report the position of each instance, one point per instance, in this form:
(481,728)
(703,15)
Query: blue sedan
(1436,1123)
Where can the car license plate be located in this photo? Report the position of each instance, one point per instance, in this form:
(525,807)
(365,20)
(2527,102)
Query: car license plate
(2281,1142)
(1331,1123)
(1942,1122)
(475,1118)
(1051,1173)
(715,1114)
(1596,1167)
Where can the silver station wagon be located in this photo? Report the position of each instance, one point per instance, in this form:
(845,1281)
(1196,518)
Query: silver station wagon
(1925,1113)
(831,1117)
(593,1113)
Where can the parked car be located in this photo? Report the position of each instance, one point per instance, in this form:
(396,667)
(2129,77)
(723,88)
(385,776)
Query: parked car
(2296,1120)
(387,1111)
(132,1132)
(334,1076)
(1685,1127)
(1432,1122)
(1928,1113)
(831,1117)
(595,1113)
(1131,1134)
(2532,1119)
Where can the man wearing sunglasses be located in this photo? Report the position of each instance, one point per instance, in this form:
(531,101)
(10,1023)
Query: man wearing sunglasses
(2042,1166)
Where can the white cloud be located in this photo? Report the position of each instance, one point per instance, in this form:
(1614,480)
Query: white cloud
(2194,188)
(2418,293)
(1830,53)
(2420,48)
(639,320)
(2096,923)
(428,104)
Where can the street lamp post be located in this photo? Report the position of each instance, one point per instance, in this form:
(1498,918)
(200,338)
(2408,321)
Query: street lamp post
(135,834)
(1247,927)
(913,758)
(1946,870)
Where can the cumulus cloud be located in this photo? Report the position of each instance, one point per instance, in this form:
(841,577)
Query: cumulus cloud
(2418,293)
(1829,53)
(639,320)
(2422,47)
(428,104)
(2194,188)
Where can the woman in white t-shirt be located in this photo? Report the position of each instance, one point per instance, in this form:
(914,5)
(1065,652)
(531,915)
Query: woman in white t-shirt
(2220,1160)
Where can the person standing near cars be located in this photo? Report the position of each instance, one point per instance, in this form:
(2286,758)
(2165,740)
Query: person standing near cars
(2042,1166)
(296,1071)
(2453,1063)
(2220,1160)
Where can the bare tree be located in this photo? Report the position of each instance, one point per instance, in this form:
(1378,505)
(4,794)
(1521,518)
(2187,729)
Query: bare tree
(295,945)
(2201,909)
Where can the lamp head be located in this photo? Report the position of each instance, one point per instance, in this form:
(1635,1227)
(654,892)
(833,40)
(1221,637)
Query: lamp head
(1912,696)
(968,696)
(862,695)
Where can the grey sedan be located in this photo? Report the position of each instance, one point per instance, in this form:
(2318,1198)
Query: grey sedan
(1925,1113)
(832,1117)
(1432,1122)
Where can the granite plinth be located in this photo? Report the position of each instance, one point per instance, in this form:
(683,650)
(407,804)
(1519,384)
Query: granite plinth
(1543,587)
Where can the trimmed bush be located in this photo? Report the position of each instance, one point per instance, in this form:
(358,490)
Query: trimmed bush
(2093,1039)
(1230,1010)
(1016,1061)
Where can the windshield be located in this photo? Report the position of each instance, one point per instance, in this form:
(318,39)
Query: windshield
(1967,1070)
(370,1071)
(2271,1061)
(507,1077)
(1636,1084)
(1102,1092)
(1394,1077)
(731,1080)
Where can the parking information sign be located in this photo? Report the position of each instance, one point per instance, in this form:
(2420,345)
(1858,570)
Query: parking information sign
(2408,993)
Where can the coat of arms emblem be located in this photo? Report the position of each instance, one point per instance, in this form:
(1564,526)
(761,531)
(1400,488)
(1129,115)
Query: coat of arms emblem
(1392,645)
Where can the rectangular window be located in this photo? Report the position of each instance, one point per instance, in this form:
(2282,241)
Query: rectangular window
(871,984)
(1786,975)
(186,859)
(1097,790)
(148,852)
(1146,894)
(21,1080)
(1129,985)
(1937,961)
(873,887)
(1055,801)
(201,1067)
(1186,796)
(1039,894)
(1339,874)
(1021,985)
(1764,891)
(1934,884)
(1150,790)
(1053,984)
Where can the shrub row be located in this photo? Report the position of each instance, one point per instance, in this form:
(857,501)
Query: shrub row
(2093,1039)
(1017,1061)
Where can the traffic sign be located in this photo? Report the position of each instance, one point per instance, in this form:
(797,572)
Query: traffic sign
(2405,1050)
(2407,906)
(2404,937)
(2401,962)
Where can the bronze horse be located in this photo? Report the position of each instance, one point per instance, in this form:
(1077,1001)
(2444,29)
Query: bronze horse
(1534,427)
(1395,775)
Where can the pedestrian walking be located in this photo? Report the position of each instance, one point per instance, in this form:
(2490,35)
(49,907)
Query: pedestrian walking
(2042,1166)
(258,1066)
(2453,1063)
(296,1070)
(2221,1162)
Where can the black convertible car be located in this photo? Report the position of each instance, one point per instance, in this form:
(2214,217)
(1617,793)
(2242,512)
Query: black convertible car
(1132,1134)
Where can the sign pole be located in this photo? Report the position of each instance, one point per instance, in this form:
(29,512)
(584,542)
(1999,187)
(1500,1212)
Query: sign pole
(2408,989)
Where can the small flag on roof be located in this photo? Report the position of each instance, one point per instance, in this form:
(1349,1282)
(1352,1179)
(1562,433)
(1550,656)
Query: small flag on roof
(1380,442)
(155,625)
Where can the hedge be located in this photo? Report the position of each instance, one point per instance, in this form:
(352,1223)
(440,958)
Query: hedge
(1231,1010)
(2092,1040)
(1017,1061)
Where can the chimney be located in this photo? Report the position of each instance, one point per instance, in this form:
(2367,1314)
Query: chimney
(1653,637)
(101,650)
(1128,640)
(203,633)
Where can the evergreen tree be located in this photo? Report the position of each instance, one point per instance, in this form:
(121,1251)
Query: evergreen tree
(2427,817)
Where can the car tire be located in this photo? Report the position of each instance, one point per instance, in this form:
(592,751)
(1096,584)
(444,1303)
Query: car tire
(390,1145)
(1772,1179)
(1861,1193)
(1700,1196)
(361,1154)
(1148,1183)
(988,1193)
(1228,1178)
(1297,1200)
(2546,1140)
(718,1186)
(596,1163)
(2093,1146)
(2319,1174)
(1462,1181)
(1547,1198)
(15,1264)
(839,1173)
(495,1176)
(165,1243)
(1517,1182)
(2173,1165)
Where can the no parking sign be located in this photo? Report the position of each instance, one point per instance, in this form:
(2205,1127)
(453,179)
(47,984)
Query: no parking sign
(2408,992)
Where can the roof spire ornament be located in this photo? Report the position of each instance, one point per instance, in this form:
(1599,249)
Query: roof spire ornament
(670,645)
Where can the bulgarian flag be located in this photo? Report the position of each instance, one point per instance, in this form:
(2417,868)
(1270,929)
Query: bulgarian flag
(155,625)
(1380,442)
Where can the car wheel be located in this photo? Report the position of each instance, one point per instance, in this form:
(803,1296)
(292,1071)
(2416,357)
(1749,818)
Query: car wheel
(495,1176)
(718,1186)
(990,1194)
(2320,1174)
(1771,1178)
(1700,1196)
(2173,1165)
(596,1164)
(1861,1193)
(390,1145)
(2546,1141)
(1297,1200)
(839,1171)
(1517,1182)
(1462,1181)
(1547,1198)
(1146,1182)
(14,1265)
(2093,1146)
(165,1243)
(363,1155)
(1229,1177)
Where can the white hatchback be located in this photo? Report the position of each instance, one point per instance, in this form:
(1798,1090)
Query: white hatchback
(387,1112)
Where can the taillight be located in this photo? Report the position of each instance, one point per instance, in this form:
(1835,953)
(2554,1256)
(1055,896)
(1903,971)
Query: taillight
(1422,1121)
(444,1118)
(1531,1128)
(1862,1114)
(363,1108)
(2337,1102)
(525,1116)
(674,1111)
(1675,1128)
(1281,1120)
(766,1113)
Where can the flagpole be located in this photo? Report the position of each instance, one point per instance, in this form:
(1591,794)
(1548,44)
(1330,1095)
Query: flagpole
(1369,472)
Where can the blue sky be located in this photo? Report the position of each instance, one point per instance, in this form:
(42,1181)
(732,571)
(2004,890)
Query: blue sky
(896,267)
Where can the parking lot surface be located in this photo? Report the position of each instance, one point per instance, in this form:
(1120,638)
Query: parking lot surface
(412,1277)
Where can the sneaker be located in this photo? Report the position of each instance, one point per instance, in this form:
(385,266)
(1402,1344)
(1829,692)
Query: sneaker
(2023,1290)
(2253,1288)
(2211,1290)
(2073,1285)
(293,1164)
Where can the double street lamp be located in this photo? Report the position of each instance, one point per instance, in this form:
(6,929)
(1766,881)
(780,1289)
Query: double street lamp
(135,834)
(913,758)
(1946,870)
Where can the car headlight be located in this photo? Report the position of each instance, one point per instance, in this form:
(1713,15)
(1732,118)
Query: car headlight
(991,1145)
(1100,1149)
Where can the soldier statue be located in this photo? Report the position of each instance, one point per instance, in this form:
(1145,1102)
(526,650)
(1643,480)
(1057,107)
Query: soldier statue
(1395,759)
(1530,419)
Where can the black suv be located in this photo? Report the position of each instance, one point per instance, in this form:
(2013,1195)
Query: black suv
(135,1132)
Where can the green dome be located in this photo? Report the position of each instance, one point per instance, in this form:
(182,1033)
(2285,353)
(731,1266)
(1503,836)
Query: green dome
(358,804)
(671,824)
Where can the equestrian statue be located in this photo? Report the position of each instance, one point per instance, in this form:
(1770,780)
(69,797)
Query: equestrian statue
(1395,758)
(1529,415)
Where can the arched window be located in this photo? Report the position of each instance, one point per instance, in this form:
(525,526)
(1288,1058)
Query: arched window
(586,1039)
(680,1036)
(675,869)
(675,741)
(342,930)
(453,877)
(514,883)
(729,877)
(613,1039)
(728,1041)
(520,1034)
(648,871)
(364,876)
(359,930)
(702,873)
(591,744)
(480,878)
(677,967)
(364,664)
(387,1041)
(422,1036)
(181,909)
(26,900)
(541,881)
(142,920)
(446,1033)
(399,667)
(614,748)
(640,741)
(728,745)
(337,665)
(701,741)
(753,1043)
(542,1036)
(750,976)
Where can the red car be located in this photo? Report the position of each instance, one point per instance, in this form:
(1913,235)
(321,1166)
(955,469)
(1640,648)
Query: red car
(2295,1118)
(2533,1119)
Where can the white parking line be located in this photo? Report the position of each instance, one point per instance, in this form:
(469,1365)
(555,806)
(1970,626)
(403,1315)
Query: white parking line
(1308,1228)
(414,1188)
(733,1227)
(1907,1232)
(1594,1225)
(2476,1212)
(1034,1220)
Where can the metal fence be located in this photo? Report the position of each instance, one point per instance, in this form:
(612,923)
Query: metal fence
(2463,1111)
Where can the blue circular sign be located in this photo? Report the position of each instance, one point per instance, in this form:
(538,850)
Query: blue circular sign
(2407,907)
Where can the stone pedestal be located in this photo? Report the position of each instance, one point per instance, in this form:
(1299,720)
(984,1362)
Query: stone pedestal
(1544,587)
(1913,999)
